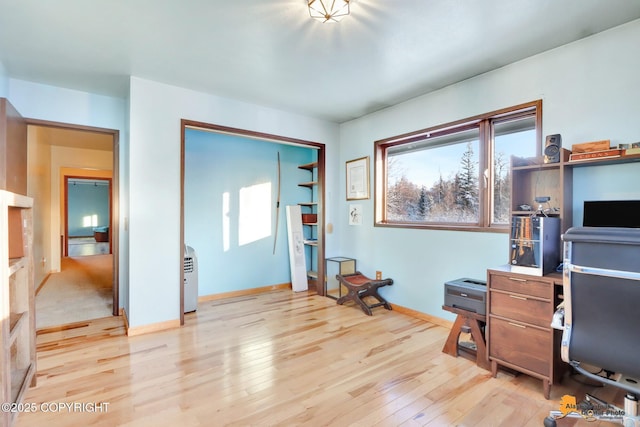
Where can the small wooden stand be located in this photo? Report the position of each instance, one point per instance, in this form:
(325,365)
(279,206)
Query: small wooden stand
(360,286)
(469,322)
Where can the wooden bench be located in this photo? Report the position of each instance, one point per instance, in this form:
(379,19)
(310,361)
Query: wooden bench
(359,287)
(468,322)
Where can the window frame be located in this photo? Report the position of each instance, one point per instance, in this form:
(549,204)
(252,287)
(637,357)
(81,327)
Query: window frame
(484,123)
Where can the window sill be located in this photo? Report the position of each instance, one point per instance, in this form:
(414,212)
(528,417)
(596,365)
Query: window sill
(450,227)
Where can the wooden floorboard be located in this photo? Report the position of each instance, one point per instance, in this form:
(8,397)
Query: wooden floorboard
(278,358)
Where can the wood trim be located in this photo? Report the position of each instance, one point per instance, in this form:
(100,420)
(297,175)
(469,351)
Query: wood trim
(41,285)
(182,248)
(320,282)
(115,207)
(484,223)
(13,163)
(248,133)
(152,327)
(123,313)
(422,316)
(443,128)
(91,175)
(243,292)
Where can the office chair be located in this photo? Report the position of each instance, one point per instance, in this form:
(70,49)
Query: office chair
(601,288)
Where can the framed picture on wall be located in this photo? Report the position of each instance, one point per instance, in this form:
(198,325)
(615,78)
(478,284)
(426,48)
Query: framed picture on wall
(358,179)
(355,214)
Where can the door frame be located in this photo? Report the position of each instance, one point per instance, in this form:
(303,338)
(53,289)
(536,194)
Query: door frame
(66,206)
(115,194)
(193,124)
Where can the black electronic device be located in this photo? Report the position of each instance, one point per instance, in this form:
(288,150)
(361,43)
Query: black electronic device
(466,294)
(552,148)
(535,244)
(612,213)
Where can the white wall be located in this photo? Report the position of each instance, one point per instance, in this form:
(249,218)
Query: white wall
(39,187)
(590,91)
(4,82)
(154,181)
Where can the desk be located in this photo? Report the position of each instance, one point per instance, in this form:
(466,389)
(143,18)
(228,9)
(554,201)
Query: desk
(472,322)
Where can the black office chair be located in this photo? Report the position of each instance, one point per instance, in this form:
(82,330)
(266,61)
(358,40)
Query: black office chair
(601,288)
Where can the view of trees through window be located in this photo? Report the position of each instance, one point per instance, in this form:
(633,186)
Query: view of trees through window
(438,184)
(441,178)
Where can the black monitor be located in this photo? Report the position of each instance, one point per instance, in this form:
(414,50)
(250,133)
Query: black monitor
(612,213)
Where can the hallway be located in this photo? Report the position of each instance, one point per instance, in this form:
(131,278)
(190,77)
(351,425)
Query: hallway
(81,291)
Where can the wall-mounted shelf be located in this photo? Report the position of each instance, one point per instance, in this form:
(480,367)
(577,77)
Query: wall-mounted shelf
(310,208)
(309,166)
(531,178)
(604,161)
(309,184)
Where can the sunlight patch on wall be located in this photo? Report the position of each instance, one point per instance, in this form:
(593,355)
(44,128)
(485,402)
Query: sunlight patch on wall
(254,219)
(90,220)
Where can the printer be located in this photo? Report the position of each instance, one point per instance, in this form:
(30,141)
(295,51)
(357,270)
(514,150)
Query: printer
(466,294)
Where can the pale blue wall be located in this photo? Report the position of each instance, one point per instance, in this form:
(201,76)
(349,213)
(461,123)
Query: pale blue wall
(216,164)
(607,182)
(590,92)
(86,200)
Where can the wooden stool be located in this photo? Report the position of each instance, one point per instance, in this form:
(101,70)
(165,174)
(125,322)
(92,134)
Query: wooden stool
(359,286)
(468,322)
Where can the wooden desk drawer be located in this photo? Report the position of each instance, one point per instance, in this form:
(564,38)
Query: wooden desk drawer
(513,283)
(521,308)
(520,345)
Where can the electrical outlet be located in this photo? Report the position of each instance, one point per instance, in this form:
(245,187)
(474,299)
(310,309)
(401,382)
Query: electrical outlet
(378,275)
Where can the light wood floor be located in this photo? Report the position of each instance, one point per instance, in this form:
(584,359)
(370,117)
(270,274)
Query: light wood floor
(278,358)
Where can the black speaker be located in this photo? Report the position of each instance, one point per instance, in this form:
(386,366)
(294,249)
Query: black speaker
(552,148)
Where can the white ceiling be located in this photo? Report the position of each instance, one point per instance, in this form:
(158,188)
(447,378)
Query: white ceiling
(269,52)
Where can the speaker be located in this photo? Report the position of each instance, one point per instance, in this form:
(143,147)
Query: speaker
(552,148)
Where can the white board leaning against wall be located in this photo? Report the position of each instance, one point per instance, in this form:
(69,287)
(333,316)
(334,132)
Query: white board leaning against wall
(296,249)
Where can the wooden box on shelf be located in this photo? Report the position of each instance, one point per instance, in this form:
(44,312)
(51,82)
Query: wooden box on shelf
(309,218)
(15,233)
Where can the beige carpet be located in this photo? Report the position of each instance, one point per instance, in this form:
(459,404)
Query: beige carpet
(81,291)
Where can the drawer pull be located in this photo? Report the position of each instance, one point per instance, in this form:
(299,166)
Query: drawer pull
(517,325)
(517,279)
(517,297)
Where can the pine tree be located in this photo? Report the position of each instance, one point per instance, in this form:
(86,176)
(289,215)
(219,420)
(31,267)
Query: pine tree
(468,181)
(423,203)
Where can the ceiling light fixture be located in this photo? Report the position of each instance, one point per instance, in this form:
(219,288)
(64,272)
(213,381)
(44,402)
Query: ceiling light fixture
(328,10)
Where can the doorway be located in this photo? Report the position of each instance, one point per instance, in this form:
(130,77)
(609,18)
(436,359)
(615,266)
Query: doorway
(87,219)
(247,230)
(86,156)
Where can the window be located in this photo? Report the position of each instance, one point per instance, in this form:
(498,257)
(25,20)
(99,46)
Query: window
(455,176)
